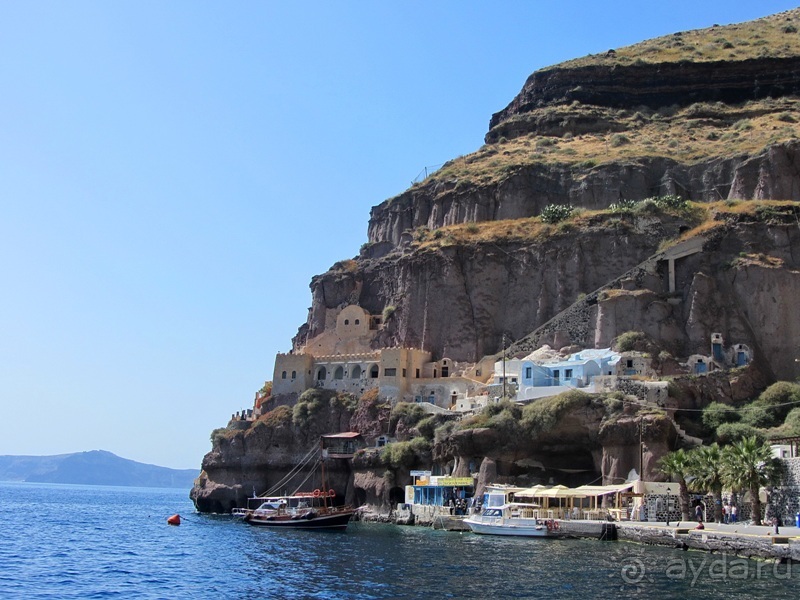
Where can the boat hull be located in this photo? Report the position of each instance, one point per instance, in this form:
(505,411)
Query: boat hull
(508,527)
(337,520)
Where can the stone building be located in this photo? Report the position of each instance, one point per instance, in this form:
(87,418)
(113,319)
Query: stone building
(342,359)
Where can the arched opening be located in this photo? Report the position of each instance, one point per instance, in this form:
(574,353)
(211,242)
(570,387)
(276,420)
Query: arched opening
(283,375)
(339,373)
(356,372)
(294,374)
(322,373)
(397,495)
(373,372)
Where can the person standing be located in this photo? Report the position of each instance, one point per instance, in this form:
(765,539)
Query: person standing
(726,509)
(734,513)
(698,512)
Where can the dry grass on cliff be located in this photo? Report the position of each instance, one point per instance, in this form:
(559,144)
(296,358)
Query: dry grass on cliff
(689,135)
(773,36)
(716,215)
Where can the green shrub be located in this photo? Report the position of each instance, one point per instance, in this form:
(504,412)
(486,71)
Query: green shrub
(717,413)
(760,417)
(428,426)
(506,422)
(791,425)
(281,415)
(219,434)
(443,432)
(619,139)
(309,405)
(389,310)
(555,213)
(629,341)
(407,413)
(405,454)
(542,415)
(728,433)
(623,206)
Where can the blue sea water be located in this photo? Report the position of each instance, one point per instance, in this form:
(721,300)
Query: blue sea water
(64,541)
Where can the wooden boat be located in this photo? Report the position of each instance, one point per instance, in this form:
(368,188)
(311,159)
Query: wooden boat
(302,510)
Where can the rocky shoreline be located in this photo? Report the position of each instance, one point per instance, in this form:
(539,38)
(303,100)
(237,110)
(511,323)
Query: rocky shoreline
(740,540)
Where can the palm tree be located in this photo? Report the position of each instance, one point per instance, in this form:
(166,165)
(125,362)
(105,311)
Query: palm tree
(705,465)
(676,466)
(748,465)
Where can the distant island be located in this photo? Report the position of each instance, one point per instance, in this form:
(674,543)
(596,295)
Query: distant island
(96,467)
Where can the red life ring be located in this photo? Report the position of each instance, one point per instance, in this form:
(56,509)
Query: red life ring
(331,493)
(317,493)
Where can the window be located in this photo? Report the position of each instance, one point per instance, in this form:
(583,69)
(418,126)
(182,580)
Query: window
(294,374)
(445,371)
(528,372)
(404,372)
(568,373)
(356,372)
(347,321)
(629,363)
(556,374)
(477,372)
(390,372)
(338,373)
(283,375)
(357,321)
(373,371)
(417,373)
(434,374)
(322,374)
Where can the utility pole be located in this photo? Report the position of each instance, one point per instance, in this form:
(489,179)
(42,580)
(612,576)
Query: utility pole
(641,450)
(504,366)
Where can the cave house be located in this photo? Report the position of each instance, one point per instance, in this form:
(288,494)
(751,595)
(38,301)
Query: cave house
(343,358)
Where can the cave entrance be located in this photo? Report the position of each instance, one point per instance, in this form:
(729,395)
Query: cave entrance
(397,495)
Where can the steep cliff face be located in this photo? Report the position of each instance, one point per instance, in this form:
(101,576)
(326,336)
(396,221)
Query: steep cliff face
(654,85)
(528,189)
(459,299)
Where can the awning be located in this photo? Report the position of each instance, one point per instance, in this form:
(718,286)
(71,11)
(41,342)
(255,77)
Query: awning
(602,490)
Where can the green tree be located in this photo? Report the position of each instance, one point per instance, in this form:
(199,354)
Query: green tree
(676,466)
(747,466)
(705,466)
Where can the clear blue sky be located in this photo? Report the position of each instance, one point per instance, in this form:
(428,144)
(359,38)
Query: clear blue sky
(172,174)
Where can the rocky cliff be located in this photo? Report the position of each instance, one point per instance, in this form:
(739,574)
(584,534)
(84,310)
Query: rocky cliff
(707,120)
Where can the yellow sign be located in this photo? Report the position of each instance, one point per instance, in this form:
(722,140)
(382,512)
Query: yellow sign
(455,481)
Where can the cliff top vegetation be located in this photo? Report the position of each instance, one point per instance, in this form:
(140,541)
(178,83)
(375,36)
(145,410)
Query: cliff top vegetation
(699,217)
(584,136)
(774,36)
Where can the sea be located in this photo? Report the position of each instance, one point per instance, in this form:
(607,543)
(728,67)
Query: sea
(75,541)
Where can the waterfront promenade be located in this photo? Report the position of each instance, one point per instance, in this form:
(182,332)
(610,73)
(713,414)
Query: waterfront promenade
(735,538)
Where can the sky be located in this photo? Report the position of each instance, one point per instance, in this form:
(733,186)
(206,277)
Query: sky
(172,174)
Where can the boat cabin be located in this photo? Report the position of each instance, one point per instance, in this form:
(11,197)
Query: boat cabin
(341,445)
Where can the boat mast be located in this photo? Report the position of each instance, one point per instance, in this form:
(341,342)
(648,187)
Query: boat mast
(322,471)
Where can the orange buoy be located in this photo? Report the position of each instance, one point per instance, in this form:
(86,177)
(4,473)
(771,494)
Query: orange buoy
(174,520)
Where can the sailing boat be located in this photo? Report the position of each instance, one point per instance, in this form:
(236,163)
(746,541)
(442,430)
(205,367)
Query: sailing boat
(300,510)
